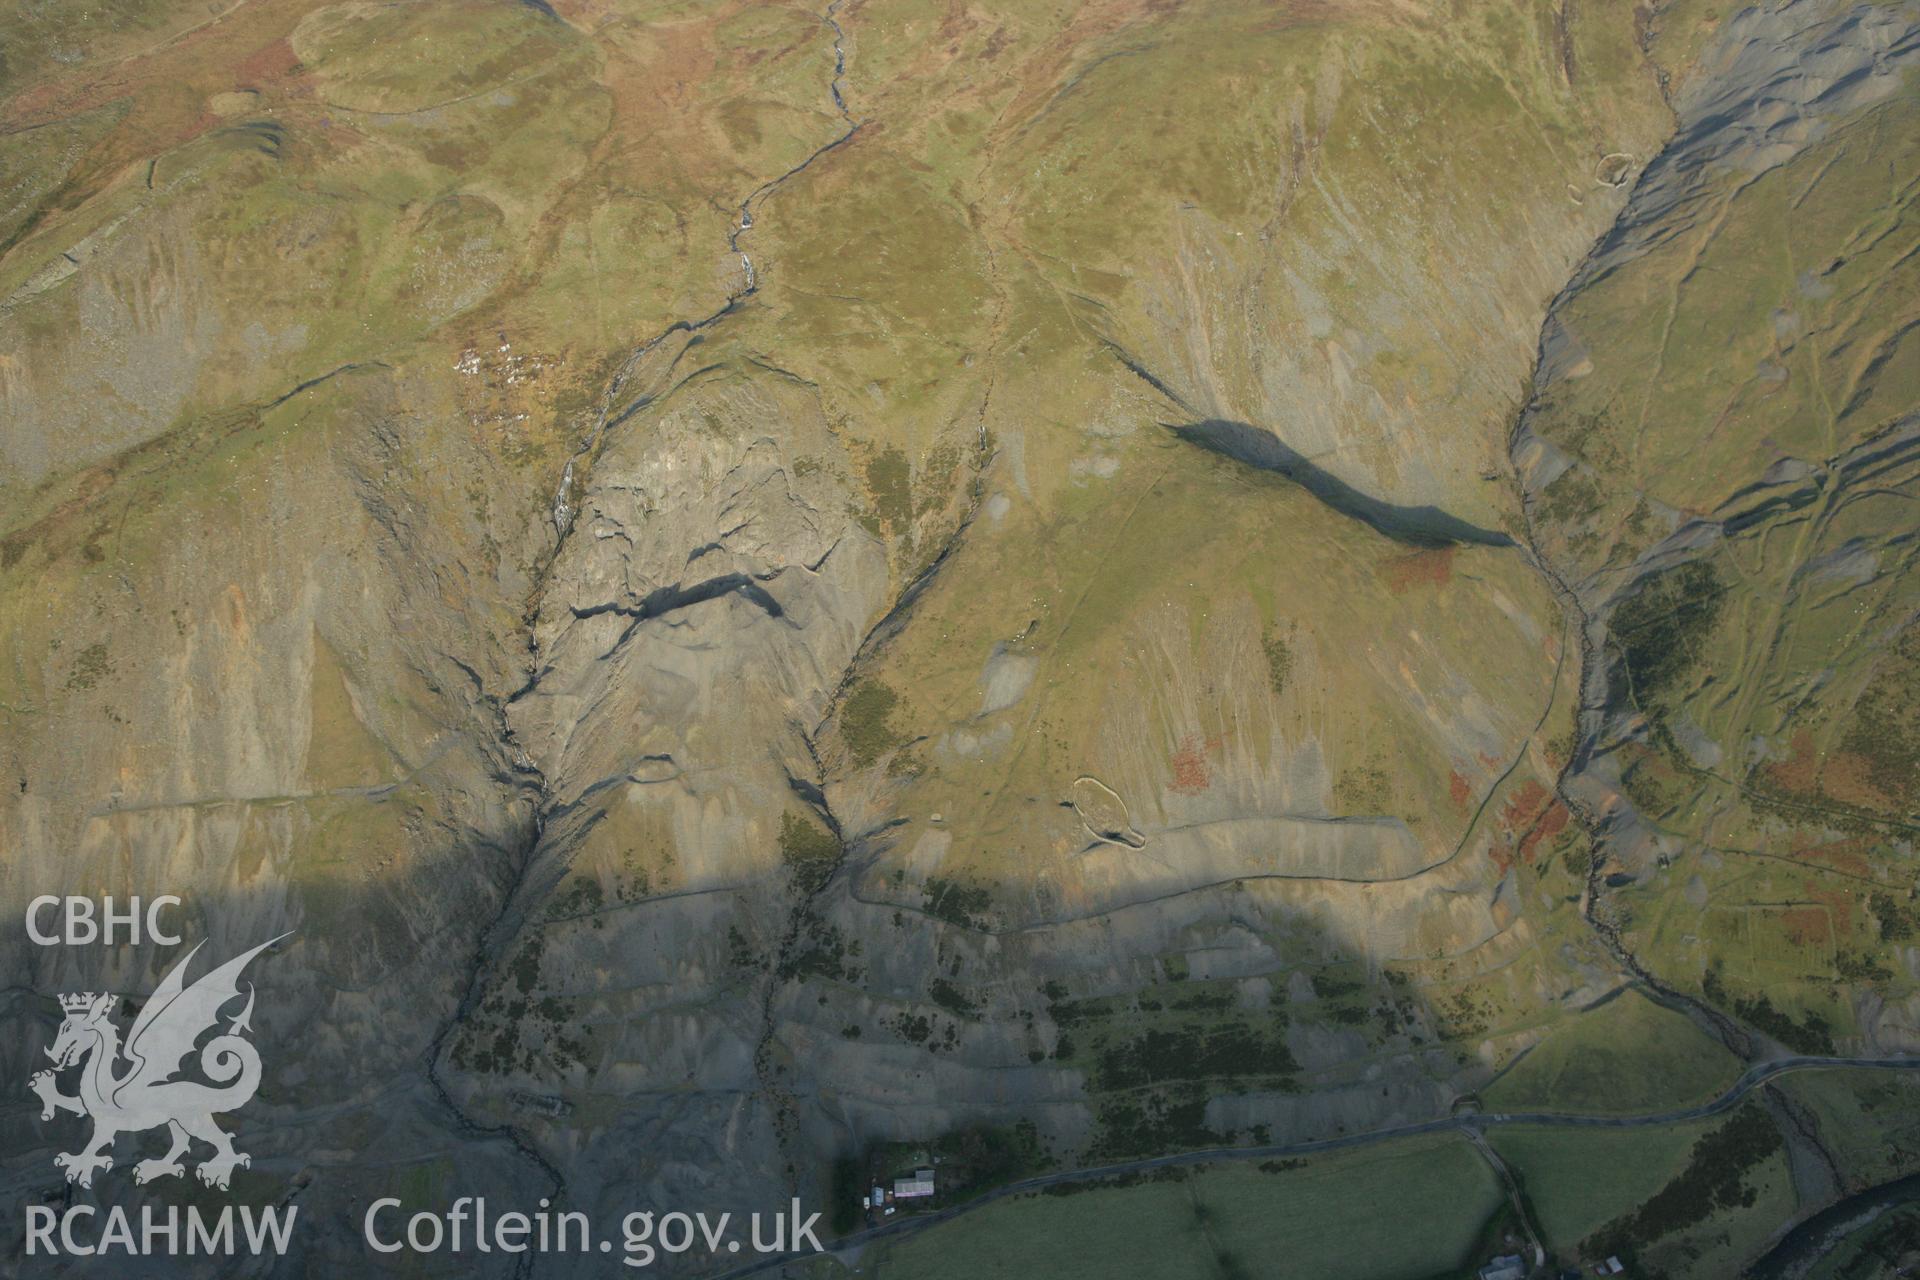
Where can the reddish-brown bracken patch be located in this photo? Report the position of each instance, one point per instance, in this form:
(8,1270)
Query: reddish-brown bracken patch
(1838,775)
(1533,813)
(1839,905)
(1524,805)
(1551,824)
(268,65)
(1799,771)
(1848,779)
(1806,925)
(1459,790)
(1501,854)
(1841,855)
(1190,773)
(1433,567)
(165,76)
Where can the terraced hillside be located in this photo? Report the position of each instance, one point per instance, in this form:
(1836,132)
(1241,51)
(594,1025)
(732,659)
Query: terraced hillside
(772,591)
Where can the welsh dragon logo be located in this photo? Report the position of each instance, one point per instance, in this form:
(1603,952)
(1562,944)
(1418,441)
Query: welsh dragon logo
(132,1087)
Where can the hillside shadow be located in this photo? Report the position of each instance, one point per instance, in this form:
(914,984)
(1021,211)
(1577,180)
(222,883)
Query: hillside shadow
(1421,526)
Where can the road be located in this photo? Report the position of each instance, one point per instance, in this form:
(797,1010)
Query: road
(1471,1123)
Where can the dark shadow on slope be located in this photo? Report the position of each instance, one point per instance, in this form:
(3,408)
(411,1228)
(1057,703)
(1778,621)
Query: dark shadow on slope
(1425,526)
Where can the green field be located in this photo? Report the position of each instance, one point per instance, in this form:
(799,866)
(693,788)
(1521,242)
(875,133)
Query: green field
(1702,1253)
(1408,1210)
(1628,1056)
(1579,1180)
(1674,1200)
